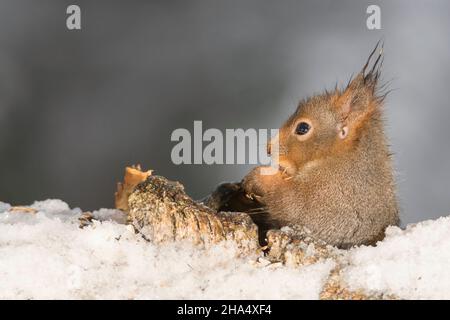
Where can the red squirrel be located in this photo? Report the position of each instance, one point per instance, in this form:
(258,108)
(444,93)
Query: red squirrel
(335,175)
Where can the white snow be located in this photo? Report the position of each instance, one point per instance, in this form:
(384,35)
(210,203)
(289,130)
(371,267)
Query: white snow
(411,264)
(47,255)
(4,207)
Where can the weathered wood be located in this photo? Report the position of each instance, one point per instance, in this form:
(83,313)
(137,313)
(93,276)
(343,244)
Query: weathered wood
(161,211)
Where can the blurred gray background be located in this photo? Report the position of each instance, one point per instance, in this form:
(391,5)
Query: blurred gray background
(77,106)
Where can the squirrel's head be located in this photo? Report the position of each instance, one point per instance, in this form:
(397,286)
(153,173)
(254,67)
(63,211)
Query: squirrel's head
(333,122)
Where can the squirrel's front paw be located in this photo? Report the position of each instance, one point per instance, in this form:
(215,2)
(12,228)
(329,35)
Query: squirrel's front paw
(253,183)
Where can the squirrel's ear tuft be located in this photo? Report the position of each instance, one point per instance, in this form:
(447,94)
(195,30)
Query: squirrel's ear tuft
(371,71)
(361,91)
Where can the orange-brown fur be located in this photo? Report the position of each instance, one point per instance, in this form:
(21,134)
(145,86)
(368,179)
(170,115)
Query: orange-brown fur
(341,189)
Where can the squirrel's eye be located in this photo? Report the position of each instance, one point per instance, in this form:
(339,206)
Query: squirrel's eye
(302,128)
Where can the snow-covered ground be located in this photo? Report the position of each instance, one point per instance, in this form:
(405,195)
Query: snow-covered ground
(47,255)
(411,264)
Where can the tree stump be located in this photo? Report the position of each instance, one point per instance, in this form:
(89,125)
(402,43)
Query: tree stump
(161,211)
